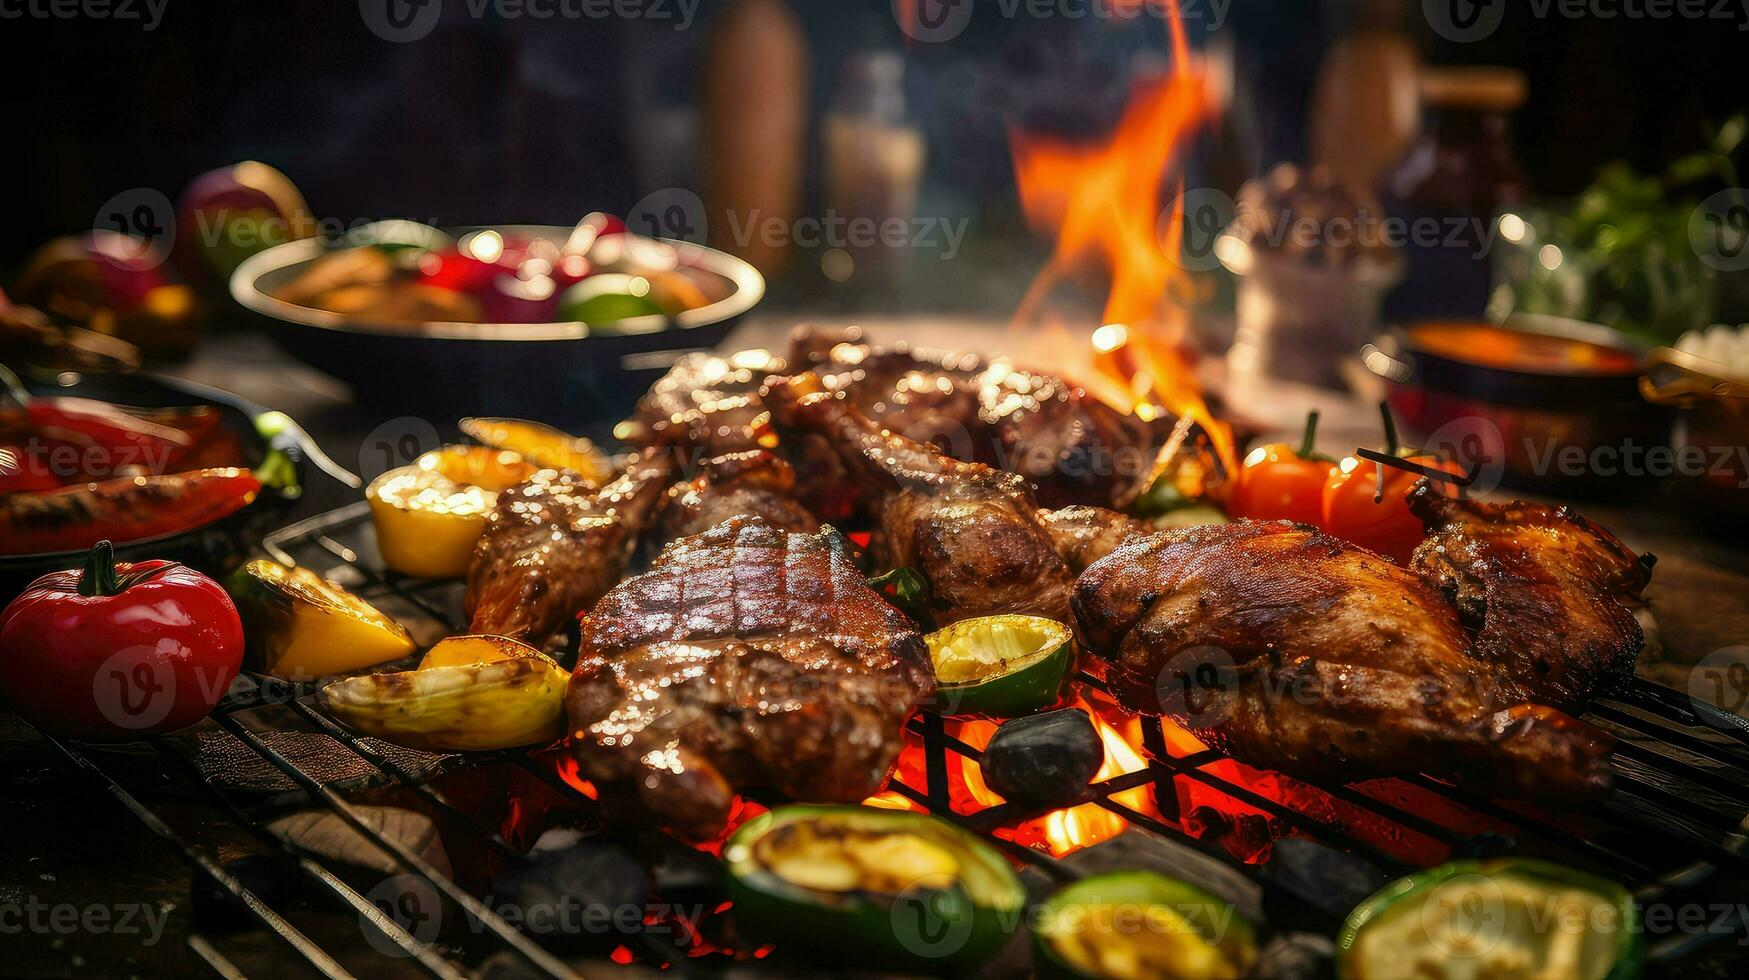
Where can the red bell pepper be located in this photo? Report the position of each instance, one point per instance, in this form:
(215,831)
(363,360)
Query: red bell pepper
(125,509)
(117,651)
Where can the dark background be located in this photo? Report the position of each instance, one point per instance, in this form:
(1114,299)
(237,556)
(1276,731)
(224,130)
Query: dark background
(496,120)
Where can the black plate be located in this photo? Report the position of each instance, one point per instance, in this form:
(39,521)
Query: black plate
(214,547)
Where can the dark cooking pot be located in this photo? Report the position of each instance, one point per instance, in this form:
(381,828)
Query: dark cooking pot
(1541,403)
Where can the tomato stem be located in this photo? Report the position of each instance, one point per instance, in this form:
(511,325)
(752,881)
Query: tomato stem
(1311,435)
(99,577)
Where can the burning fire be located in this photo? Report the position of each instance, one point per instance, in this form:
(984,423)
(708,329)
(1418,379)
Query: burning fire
(1103,204)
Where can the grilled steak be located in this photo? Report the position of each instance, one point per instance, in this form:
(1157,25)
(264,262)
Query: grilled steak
(555,544)
(1295,651)
(746,656)
(1540,587)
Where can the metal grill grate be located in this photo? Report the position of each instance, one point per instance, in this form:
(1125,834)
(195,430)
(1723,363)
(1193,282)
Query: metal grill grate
(1674,829)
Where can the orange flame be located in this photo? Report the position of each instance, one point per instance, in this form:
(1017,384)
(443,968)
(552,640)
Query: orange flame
(1103,204)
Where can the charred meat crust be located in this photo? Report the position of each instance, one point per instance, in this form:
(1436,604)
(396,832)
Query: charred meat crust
(746,656)
(1328,662)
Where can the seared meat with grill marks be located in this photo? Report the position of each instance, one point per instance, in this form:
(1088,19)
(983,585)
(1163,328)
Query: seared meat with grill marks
(1332,663)
(746,656)
(1074,448)
(755,483)
(556,543)
(972,531)
(1540,587)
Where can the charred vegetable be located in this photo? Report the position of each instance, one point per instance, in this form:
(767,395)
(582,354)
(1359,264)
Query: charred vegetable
(1044,760)
(1003,666)
(429,514)
(541,445)
(1139,925)
(121,510)
(300,626)
(875,887)
(1500,918)
(485,692)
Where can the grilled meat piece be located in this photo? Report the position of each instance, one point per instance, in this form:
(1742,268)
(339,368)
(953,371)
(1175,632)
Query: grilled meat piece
(1074,448)
(1083,535)
(1541,588)
(556,543)
(1322,659)
(754,483)
(972,531)
(706,402)
(746,656)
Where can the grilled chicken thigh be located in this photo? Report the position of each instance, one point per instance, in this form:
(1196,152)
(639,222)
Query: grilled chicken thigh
(1542,590)
(1072,447)
(1325,661)
(746,656)
(556,543)
(972,531)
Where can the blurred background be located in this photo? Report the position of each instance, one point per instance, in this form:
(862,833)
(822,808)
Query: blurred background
(507,116)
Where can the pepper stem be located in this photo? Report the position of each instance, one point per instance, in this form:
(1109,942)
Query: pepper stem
(99,577)
(1306,444)
(1390,429)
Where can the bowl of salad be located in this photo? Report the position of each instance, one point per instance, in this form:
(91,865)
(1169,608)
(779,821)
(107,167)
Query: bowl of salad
(570,323)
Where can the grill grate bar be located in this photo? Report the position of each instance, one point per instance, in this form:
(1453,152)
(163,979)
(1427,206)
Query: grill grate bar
(390,768)
(312,953)
(436,965)
(504,931)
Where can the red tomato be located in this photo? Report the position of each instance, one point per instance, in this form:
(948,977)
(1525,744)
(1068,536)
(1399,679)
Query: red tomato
(1281,482)
(1354,509)
(119,651)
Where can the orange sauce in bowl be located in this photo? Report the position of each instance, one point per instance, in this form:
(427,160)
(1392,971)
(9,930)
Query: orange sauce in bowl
(1515,350)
